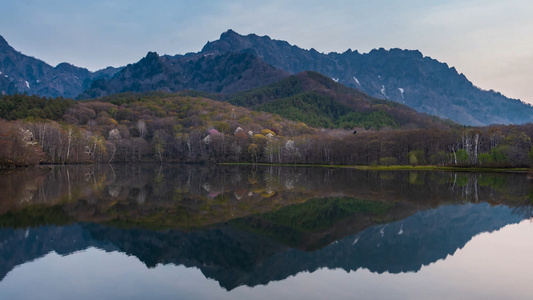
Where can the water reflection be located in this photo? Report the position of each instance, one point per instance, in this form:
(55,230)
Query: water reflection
(196,196)
(244,226)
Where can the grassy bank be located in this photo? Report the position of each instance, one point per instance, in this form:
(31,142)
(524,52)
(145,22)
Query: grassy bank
(397,167)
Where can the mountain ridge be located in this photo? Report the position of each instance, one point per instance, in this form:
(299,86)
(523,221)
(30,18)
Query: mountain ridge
(404,76)
(20,73)
(225,73)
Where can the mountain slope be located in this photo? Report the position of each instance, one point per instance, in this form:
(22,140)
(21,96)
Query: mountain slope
(20,73)
(400,75)
(317,100)
(225,73)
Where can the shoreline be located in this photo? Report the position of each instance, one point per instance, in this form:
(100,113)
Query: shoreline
(366,167)
(396,167)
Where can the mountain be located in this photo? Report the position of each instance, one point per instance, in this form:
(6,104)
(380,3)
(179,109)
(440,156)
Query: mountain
(236,63)
(404,76)
(20,73)
(319,101)
(225,73)
(240,79)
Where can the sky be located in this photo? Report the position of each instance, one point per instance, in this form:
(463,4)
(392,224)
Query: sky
(489,41)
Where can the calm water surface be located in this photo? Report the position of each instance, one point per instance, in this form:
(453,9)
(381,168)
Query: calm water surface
(196,232)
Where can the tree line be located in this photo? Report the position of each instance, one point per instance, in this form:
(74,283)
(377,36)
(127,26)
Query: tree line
(172,128)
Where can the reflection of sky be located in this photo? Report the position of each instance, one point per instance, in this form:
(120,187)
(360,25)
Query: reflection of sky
(487,40)
(490,266)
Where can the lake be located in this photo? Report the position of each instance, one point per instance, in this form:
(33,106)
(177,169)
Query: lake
(242,232)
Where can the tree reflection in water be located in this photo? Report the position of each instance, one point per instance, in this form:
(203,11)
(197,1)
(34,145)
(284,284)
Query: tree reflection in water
(240,224)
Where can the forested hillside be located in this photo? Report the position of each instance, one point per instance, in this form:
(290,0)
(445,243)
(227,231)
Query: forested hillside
(175,128)
(318,101)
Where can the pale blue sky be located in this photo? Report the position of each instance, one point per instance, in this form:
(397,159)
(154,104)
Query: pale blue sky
(490,41)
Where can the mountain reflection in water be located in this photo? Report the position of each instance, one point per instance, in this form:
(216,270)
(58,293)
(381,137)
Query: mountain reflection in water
(244,226)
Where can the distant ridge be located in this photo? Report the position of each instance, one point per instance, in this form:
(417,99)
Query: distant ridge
(235,63)
(224,73)
(404,76)
(20,73)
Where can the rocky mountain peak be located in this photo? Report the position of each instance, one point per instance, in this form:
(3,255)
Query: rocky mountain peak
(404,76)
(230,33)
(3,42)
(152,56)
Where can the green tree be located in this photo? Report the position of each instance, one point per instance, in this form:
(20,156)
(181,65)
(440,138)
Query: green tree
(485,159)
(499,154)
(462,156)
(416,157)
(388,161)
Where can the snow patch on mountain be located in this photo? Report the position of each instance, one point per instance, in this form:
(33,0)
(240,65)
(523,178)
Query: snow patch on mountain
(383,91)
